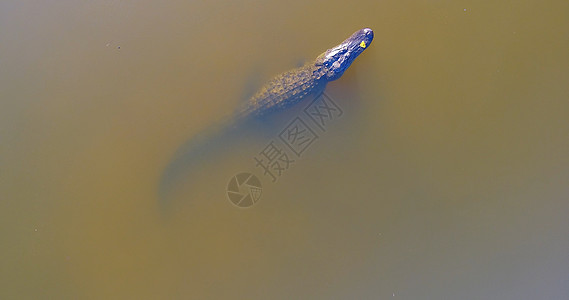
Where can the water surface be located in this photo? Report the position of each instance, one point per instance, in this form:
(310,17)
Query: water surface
(445,177)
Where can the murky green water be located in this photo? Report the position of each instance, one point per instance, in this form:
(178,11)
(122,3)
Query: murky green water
(446,177)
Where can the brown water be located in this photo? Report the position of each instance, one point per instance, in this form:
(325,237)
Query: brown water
(447,176)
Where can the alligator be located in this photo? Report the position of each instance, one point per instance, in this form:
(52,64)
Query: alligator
(291,87)
(284,91)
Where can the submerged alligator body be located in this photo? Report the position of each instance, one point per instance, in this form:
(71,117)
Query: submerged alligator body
(282,92)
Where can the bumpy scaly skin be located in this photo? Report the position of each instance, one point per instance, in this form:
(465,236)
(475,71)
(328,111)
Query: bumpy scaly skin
(289,88)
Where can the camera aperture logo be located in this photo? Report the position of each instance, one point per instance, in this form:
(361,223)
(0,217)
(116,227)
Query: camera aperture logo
(244,190)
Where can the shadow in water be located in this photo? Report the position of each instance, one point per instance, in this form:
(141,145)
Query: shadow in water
(192,158)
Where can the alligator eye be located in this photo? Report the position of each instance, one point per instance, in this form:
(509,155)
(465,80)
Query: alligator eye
(363,44)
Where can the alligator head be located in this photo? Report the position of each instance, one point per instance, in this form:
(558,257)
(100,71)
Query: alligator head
(337,60)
